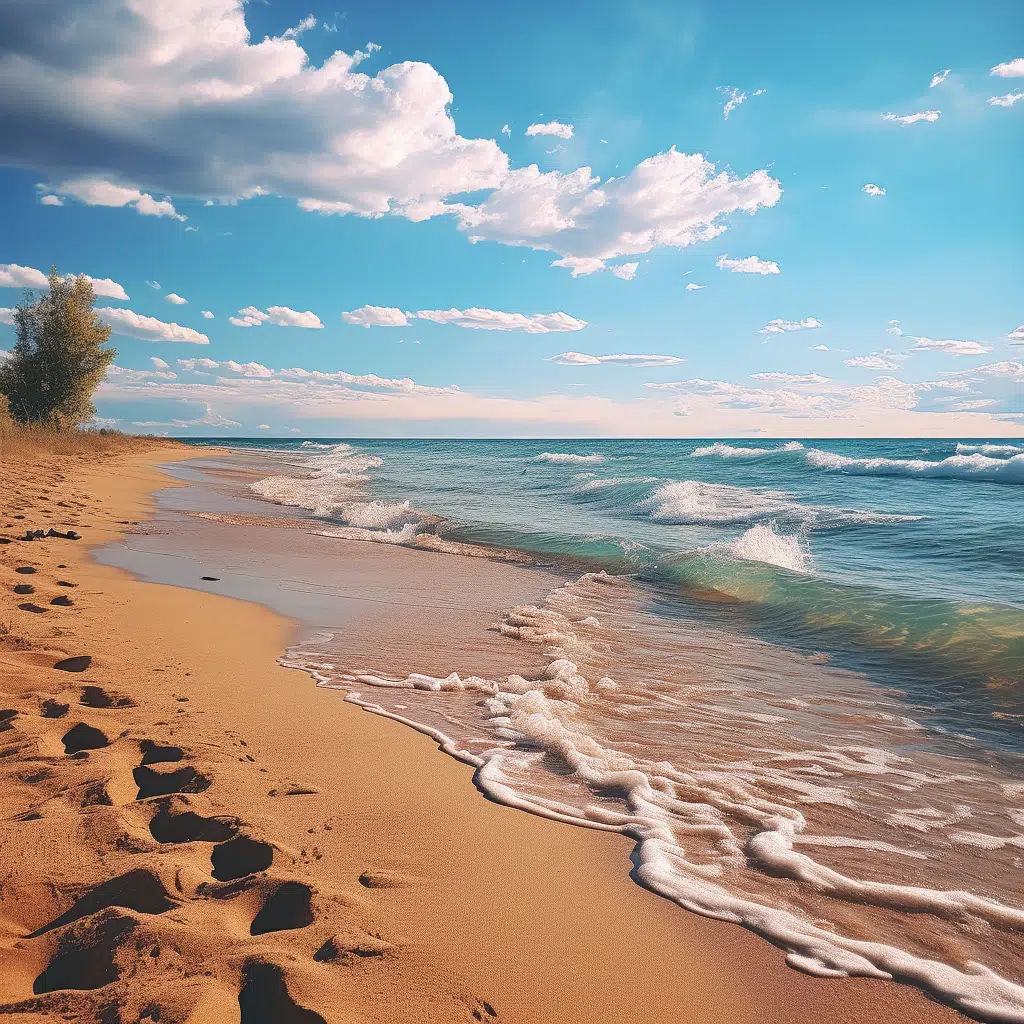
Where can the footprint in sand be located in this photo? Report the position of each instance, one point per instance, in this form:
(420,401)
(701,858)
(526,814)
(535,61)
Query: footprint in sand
(28,606)
(63,600)
(264,997)
(83,737)
(24,588)
(239,857)
(79,663)
(97,697)
(25,570)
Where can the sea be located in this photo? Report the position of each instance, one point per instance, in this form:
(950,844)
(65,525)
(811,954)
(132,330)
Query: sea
(791,671)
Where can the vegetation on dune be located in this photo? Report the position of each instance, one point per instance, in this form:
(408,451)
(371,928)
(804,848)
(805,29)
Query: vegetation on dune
(58,359)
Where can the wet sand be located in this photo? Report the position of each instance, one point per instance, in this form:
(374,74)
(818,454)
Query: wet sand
(203,835)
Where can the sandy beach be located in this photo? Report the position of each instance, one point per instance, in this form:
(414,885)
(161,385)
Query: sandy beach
(193,833)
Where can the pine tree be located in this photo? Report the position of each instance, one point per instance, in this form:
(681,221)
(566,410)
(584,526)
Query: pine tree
(58,359)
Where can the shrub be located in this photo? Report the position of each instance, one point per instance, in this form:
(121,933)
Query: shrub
(58,359)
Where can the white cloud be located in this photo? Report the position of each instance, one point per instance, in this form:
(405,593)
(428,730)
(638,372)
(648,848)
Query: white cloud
(174,299)
(478,319)
(1011,69)
(249,317)
(691,287)
(1016,337)
(208,419)
(505,130)
(147,328)
(785,326)
(285,317)
(953,348)
(177,99)
(747,265)
(906,119)
(13,276)
(581,265)
(626,271)
(263,426)
(938,78)
(620,359)
(303,26)
(1006,101)
(872,362)
(819,348)
(562,131)
(379,316)
(159,364)
(873,190)
(778,377)
(51,200)
(154,284)
(894,328)
(735,98)
(281,316)
(100,192)
(495,320)
(207,315)
(1007,368)
(673,199)
(6,317)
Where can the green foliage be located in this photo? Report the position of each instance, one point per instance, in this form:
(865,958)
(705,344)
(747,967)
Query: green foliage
(58,359)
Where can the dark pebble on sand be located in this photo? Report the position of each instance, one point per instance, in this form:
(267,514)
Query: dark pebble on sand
(25,570)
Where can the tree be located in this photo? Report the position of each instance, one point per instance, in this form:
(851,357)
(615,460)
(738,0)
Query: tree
(58,359)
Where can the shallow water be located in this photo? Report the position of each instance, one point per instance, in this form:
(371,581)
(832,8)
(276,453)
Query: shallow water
(792,672)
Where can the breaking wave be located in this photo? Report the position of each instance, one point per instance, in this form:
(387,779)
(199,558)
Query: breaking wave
(956,467)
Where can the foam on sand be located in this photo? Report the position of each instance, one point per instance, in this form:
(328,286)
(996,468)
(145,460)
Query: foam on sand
(725,783)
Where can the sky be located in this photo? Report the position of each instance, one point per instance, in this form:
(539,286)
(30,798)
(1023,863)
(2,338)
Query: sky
(661,218)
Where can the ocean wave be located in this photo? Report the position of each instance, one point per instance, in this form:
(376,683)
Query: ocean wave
(956,467)
(762,544)
(728,451)
(697,503)
(570,457)
(995,450)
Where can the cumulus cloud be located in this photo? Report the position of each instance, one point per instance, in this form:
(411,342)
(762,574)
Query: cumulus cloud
(625,271)
(177,99)
(673,199)
(736,97)
(907,119)
(281,316)
(562,131)
(954,348)
(475,318)
(175,299)
(207,315)
(873,190)
(872,362)
(747,265)
(691,287)
(894,328)
(938,78)
(159,364)
(785,326)
(1016,337)
(1006,101)
(100,192)
(1010,69)
(208,419)
(13,276)
(148,328)
(51,200)
(620,359)
(376,316)
(505,130)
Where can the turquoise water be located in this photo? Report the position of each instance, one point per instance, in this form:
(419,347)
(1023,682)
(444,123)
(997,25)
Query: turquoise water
(902,558)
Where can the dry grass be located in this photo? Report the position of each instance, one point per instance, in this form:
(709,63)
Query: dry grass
(23,442)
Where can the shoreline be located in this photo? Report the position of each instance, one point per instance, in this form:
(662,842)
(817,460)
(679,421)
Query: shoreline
(541,921)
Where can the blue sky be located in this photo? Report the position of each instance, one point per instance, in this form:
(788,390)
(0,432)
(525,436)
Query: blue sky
(170,154)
